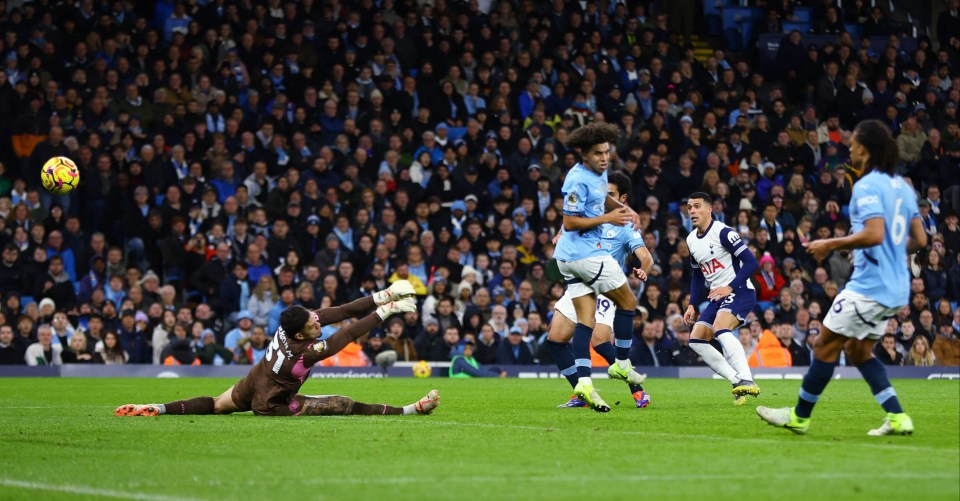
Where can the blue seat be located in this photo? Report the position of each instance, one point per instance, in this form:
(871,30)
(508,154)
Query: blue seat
(801,27)
(854,30)
(802,15)
(673,207)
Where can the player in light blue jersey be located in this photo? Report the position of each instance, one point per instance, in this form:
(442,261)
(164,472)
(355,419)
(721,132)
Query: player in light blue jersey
(883,210)
(586,266)
(619,242)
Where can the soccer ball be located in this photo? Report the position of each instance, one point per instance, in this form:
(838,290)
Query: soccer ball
(421,369)
(60,175)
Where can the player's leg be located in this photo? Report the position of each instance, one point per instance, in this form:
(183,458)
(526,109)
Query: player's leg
(826,352)
(626,309)
(196,405)
(700,338)
(860,353)
(723,330)
(580,277)
(223,404)
(558,340)
(602,335)
(339,405)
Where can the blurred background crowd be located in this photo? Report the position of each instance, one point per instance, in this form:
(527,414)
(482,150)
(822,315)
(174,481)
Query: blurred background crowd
(241,156)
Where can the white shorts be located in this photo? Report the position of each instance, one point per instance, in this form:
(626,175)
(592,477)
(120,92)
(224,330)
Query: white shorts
(605,309)
(592,275)
(855,316)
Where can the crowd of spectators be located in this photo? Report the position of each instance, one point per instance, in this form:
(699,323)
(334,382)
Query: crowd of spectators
(238,157)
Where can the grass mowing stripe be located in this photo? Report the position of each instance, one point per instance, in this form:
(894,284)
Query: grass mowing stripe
(601,477)
(660,434)
(87,490)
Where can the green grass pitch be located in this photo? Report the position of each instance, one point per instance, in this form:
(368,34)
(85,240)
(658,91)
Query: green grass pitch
(490,439)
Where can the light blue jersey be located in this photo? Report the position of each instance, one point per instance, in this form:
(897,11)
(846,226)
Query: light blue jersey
(584,195)
(620,241)
(880,272)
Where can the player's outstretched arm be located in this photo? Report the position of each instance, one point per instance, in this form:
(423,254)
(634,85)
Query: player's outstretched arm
(352,309)
(872,234)
(329,347)
(918,236)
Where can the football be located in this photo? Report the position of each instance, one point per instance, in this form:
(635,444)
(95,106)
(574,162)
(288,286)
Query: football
(60,175)
(421,369)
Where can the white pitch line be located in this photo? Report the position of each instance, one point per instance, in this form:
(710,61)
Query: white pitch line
(88,490)
(552,479)
(662,434)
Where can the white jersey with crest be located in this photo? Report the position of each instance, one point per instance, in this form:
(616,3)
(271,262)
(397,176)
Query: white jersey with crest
(716,253)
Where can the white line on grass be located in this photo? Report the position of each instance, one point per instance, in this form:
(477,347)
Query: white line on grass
(661,434)
(88,490)
(552,479)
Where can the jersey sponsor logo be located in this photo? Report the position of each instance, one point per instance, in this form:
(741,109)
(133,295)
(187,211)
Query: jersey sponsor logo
(733,237)
(872,199)
(320,346)
(637,234)
(711,267)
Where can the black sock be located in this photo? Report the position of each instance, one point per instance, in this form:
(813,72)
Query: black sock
(876,376)
(623,332)
(813,385)
(581,349)
(361,409)
(562,355)
(197,405)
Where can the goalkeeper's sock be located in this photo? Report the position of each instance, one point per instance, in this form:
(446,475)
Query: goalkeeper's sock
(197,405)
(361,409)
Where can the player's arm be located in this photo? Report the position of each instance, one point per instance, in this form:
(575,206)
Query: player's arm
(872,234)
(319,350)
(574,208)
(646,262)
(611,204)
(698,284)
(918,236)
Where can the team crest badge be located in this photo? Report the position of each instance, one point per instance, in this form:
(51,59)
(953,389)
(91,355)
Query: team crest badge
(611,233)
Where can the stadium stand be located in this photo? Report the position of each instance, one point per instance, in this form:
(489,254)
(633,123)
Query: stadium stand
(238,157)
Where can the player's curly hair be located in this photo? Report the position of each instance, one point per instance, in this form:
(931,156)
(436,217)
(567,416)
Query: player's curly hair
(293,319)
(592,134)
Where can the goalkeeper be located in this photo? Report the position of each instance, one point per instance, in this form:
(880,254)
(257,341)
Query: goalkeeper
(271,387)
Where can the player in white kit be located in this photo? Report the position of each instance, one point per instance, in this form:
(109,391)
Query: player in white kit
(722,264)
